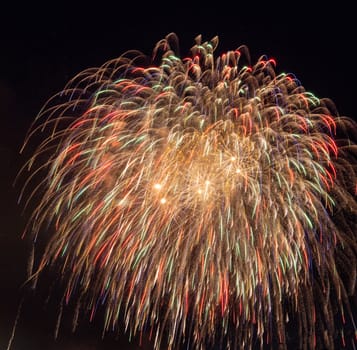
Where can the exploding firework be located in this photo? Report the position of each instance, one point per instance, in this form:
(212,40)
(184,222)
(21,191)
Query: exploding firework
(201,200)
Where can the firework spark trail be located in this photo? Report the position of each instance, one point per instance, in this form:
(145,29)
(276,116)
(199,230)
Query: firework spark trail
(196,193)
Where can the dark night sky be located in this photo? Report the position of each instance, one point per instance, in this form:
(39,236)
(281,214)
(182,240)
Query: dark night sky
(41,48)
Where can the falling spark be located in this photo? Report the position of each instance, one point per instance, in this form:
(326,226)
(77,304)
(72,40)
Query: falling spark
(201,198)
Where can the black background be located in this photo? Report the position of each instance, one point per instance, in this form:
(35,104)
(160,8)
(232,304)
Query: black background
(43,45)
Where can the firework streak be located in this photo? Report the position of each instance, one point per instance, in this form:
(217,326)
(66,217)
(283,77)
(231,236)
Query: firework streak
(196,199)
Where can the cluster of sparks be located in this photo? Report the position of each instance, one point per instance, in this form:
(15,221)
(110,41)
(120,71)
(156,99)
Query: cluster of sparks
(194,199)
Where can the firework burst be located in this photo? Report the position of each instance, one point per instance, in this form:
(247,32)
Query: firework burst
(197,198)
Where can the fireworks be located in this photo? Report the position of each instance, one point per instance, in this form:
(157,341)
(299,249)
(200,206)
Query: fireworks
(197,198)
